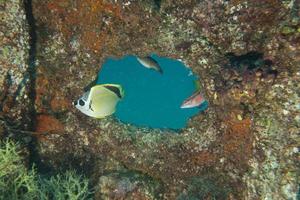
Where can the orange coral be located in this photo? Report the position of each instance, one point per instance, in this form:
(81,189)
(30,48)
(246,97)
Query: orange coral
(48,93)
(238,140)
(47,123)
(41,90)
(93,41)
(59,103)
(204,158)
(85,17)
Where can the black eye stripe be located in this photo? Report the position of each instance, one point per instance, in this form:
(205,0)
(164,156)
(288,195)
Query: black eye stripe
(81,102)
(75,103)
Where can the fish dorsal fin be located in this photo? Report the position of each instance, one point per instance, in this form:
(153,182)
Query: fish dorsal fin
(90,85)
(86,95)
(152,59)
(115,89)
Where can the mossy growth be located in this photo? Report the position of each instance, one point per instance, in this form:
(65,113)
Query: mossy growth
(127,185)
(18,182)
(287,30)
(203,188)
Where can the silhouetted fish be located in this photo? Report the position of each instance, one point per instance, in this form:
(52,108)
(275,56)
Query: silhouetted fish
(150,63)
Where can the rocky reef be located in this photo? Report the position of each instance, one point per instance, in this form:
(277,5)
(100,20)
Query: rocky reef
(247,53)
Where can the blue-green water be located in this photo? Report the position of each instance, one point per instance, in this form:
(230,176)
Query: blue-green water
(151,99)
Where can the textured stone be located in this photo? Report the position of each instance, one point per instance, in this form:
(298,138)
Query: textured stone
(245,52)
(127,185)
(15,88)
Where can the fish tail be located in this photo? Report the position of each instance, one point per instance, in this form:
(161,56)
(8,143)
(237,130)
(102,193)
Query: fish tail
(160,71)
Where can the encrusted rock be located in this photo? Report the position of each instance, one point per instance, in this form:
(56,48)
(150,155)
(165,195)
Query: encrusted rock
(246,53)
(15,79)
(128,185)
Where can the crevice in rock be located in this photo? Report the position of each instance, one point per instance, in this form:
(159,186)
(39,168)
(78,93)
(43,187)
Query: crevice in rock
(4,94)
(251,61)
(32,76)
(32,33)
(246,61)
(157,4)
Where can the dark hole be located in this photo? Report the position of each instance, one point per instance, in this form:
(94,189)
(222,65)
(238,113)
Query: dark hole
(250,60)
(268,62)
(251,73)
(183,45)
(157,3)
(273,72)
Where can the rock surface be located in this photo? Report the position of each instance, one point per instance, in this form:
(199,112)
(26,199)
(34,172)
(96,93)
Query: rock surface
(127,185)
(16,91)
(247,54)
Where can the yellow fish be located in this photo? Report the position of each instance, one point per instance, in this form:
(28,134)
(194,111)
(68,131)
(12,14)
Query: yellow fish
(100,101)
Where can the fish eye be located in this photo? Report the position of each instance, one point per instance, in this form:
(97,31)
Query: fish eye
(81,102)
(75,103)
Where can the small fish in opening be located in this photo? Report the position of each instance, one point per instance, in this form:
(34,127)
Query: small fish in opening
(196,99)
(153,102)
(150,63)
(193,101)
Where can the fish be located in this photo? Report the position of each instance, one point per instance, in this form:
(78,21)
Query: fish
(150,63)
(193,101)
(197,84)
(100,101)
(90,85)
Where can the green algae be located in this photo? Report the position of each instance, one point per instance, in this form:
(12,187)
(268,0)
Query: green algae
(19,182)
(287,30)
(203,188)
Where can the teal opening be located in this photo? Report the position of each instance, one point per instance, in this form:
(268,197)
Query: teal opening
(152,99)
